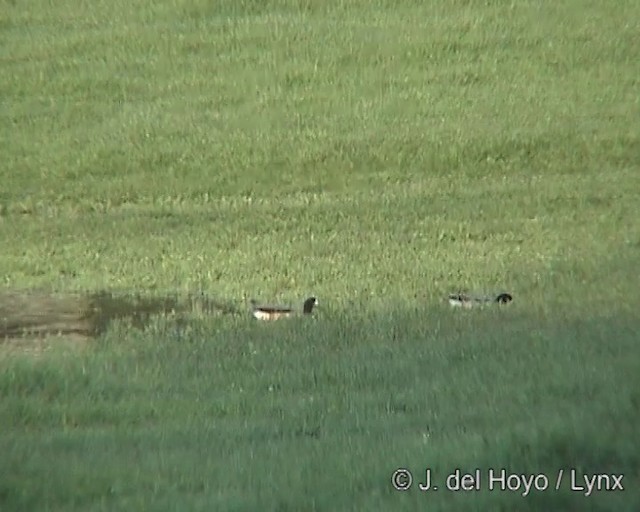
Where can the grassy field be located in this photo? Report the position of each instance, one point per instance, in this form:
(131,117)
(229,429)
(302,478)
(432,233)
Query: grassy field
(376,154)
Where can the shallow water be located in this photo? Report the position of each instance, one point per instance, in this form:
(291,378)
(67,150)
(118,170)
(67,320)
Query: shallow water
(25,314)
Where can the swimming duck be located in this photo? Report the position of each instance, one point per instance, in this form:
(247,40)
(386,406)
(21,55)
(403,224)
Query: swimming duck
(469,301)
(267,312)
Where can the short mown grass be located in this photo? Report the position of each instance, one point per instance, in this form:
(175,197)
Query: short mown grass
(376,154)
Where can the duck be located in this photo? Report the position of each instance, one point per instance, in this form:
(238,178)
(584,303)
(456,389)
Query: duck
(268,312)
(469,301)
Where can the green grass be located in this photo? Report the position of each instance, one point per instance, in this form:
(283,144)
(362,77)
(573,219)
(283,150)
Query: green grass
(376,154)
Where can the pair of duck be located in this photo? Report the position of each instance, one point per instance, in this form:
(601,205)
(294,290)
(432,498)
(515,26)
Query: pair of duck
(268,312)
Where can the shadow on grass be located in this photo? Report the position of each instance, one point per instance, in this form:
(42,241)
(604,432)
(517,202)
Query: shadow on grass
(317,413)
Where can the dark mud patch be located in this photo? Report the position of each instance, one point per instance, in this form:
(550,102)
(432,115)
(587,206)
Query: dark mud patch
(29,315)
